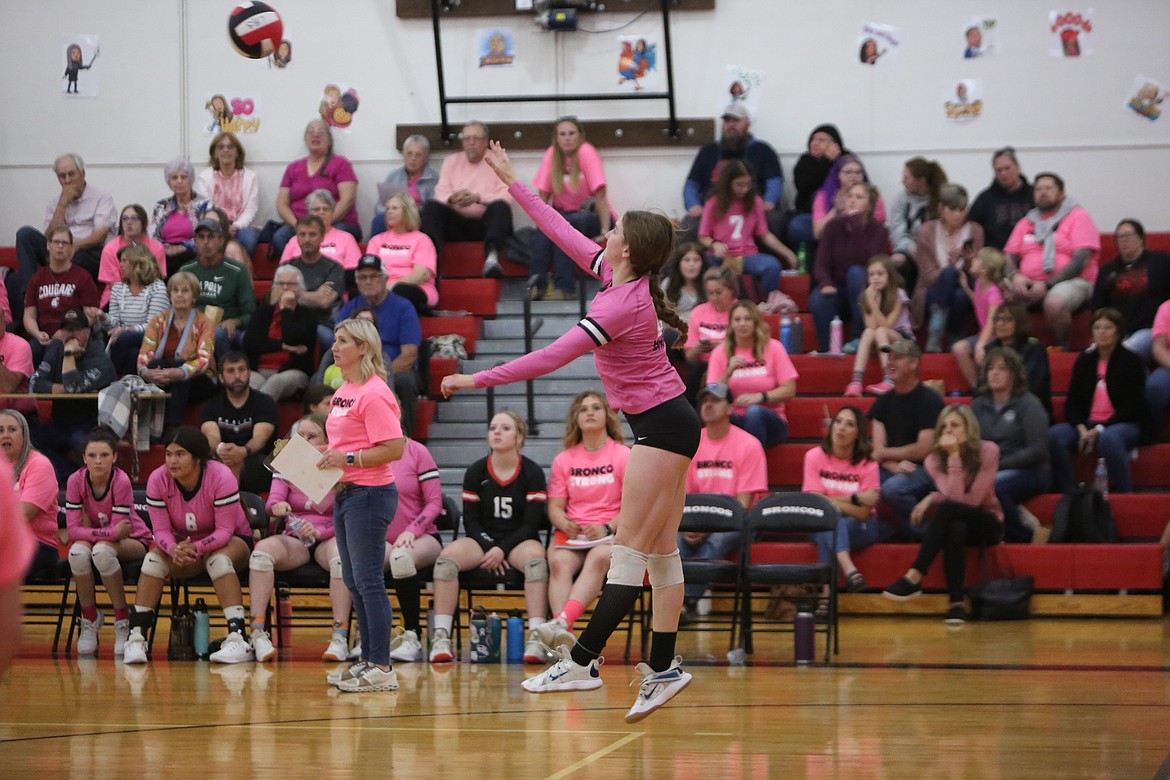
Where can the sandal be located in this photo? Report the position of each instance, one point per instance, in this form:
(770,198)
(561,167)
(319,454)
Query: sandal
(855,582)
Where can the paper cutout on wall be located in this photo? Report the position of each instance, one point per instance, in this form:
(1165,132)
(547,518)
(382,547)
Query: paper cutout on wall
(963,100)
(339,103)
(1146,98)
(239,114)
(980,38)
(878,44)
(283,54)
(496,47)
(740,85)
(1071,33)
(80,62)
(637,62)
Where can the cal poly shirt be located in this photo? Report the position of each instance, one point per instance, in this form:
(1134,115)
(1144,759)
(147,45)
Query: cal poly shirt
(236,425)
(503,514)
(210,517)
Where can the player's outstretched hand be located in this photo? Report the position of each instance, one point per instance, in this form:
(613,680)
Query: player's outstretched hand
(497,160)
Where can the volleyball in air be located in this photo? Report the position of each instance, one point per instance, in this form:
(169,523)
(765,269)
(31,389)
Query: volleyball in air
(255,29)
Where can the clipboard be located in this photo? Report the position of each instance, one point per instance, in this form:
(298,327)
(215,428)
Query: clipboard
(297,465)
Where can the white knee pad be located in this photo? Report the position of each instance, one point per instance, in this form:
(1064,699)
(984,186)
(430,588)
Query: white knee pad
(536,570)
(446,569)
(105,560)
(626,566)
(219,565)
(335,568)
(153,565)
(80,558)
(664,570)
(260,561)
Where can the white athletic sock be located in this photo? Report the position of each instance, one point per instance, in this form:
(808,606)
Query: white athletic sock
(534,622)
(444,622)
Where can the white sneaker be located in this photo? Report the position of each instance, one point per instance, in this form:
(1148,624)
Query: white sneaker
(657,688)
(355,652)
(345,673)
(535,651)
(135,647)
(233,650)
(338,649)
(405,647)
(87,637)
(121,634)
(555,633)
(262,647)
(370,679)
(441,652)
(566,675)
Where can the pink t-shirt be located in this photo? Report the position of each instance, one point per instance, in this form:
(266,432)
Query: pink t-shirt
(1161,325)
(337,245)
(459,173)
(17,356)
(1075,231)
(420,496)
(209,519)
(821,206)
(102,512)
(987,296)
(707,323)
(300,184)
(401,252)
(735,229)
(38,486)
(361,416)
(320,516)
(757,376)
(1102,408)
(732,465)
(591,178)
(832,476)
(19,543)
(110,272)
(590,483)
(621,329)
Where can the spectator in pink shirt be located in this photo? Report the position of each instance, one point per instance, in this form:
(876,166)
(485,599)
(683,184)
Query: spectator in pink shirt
(131,230)
(1055,250)
(407,254)
(337,244)
(36,489)
(321,169)
(708,325)
(470,203)
(15,554)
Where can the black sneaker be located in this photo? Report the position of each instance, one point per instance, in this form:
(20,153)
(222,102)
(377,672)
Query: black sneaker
(903,590)
(956,615)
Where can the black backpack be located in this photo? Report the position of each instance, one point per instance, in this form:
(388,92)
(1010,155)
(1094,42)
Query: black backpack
(1083,516)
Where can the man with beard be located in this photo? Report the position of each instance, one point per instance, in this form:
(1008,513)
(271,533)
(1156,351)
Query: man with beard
(1009,198)
(240,425)
(1054,249)
(735,143)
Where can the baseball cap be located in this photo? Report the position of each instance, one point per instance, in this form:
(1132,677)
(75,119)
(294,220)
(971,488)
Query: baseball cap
(370,261)
(74,318)
(210,223)
(904,347)
(717,389)
(735,111)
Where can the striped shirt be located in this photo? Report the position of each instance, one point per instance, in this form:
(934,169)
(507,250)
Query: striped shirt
(134,311)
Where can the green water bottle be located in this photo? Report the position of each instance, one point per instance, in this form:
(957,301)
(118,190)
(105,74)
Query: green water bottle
(802,258)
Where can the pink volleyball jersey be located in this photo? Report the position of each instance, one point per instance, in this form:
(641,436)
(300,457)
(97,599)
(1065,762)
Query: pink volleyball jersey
(38,486)
(420,497)
(337,245)
(622,327)
(590,482)
(757,376)
(732,465)
(319,515)
(401,252)
(210,518)
(103,512)
(735,229)
(361,416)
(17,550)
(831,476)
(707,323)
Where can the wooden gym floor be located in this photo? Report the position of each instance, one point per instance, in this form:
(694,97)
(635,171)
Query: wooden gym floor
(905,698)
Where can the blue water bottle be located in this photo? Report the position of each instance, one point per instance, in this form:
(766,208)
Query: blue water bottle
(515,637)
(786,332)
(202,633)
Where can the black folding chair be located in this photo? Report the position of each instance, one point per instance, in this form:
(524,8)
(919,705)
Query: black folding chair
(713,513)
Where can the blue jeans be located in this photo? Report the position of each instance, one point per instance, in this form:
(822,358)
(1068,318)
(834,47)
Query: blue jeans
(842,303)
(325,337)
(901,492)
(763,423)
(852,536)
(763,267)
(124,352)
(1113,445)
(1013,487)
(546,254)
(1141,343)
(800,231)
(248,237)
(361,516)
(946,294)
(1158,397)
(225,343)
(716,547)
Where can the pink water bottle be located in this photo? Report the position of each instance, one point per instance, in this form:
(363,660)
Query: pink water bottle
(836,336)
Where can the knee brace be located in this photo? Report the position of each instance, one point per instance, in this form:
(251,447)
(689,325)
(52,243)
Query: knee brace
(105,560)
(664,570)
(80,557)
(335,568)
(446,569)
(219,565)
(154,565)
(626,566)
(260,561)
(536,570)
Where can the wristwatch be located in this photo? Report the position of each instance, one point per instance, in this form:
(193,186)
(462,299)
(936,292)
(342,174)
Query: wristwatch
(349,458)
(855,500)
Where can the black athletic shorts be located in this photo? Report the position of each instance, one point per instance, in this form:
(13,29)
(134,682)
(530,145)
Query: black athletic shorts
(672,426)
